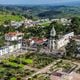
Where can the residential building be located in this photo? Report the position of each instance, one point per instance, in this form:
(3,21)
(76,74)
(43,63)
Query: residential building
(32,42)
(16,24)
(10,48)
(64,21)
(13,36)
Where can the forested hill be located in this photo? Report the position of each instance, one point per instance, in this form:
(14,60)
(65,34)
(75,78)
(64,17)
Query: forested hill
(41,11)
(61,11)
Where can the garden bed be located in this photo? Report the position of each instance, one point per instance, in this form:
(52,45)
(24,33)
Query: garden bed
(40,77)
(63,66)
(13,67)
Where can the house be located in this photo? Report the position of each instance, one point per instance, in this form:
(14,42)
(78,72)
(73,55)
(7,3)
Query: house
(5,50)
(64,21)
(38,40)
(34,41)
(28,23)
(13,36)
(1,51)
(19,46)
(10,48)
(16,24)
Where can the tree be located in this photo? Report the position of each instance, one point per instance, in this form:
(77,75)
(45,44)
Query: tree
(38,47)
(7,21)
(58,27)
(74,26)
(2,29)
(13,13)
(9,29)
(71,49)
(21,28)
(13,78)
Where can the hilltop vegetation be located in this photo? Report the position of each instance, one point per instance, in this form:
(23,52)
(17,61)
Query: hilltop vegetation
(41,11)
(3,18)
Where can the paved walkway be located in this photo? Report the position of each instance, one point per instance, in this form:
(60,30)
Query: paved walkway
(31,68)
(44,70)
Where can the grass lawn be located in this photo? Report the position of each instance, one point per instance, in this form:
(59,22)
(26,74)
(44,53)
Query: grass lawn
(29,61)
(45,24)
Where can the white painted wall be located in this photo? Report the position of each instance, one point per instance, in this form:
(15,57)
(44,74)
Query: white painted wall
(64,40)
(1,52)
(10,49)
(10,38)
(13,38)
(69,35)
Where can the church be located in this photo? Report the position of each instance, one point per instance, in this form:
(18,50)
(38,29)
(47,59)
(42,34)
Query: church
(58,44)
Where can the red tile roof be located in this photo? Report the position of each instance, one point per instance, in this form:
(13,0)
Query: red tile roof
(39,40)
(14,33)
(36,40)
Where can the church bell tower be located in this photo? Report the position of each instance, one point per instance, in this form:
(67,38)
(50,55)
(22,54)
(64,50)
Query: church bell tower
(52,42)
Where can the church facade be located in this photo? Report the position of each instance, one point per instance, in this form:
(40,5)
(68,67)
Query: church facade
(56,44)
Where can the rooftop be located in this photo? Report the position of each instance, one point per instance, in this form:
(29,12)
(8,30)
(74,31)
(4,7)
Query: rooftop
(13,33)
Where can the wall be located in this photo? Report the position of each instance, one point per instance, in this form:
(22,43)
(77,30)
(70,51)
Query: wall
(64,40)
(10,49)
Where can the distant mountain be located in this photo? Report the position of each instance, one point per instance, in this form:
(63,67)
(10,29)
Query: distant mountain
(50,14)
(43,11)
(75,3)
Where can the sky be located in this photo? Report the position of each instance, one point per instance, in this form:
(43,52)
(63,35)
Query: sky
(35,1)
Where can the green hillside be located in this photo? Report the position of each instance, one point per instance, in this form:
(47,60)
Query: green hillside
(10,17)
